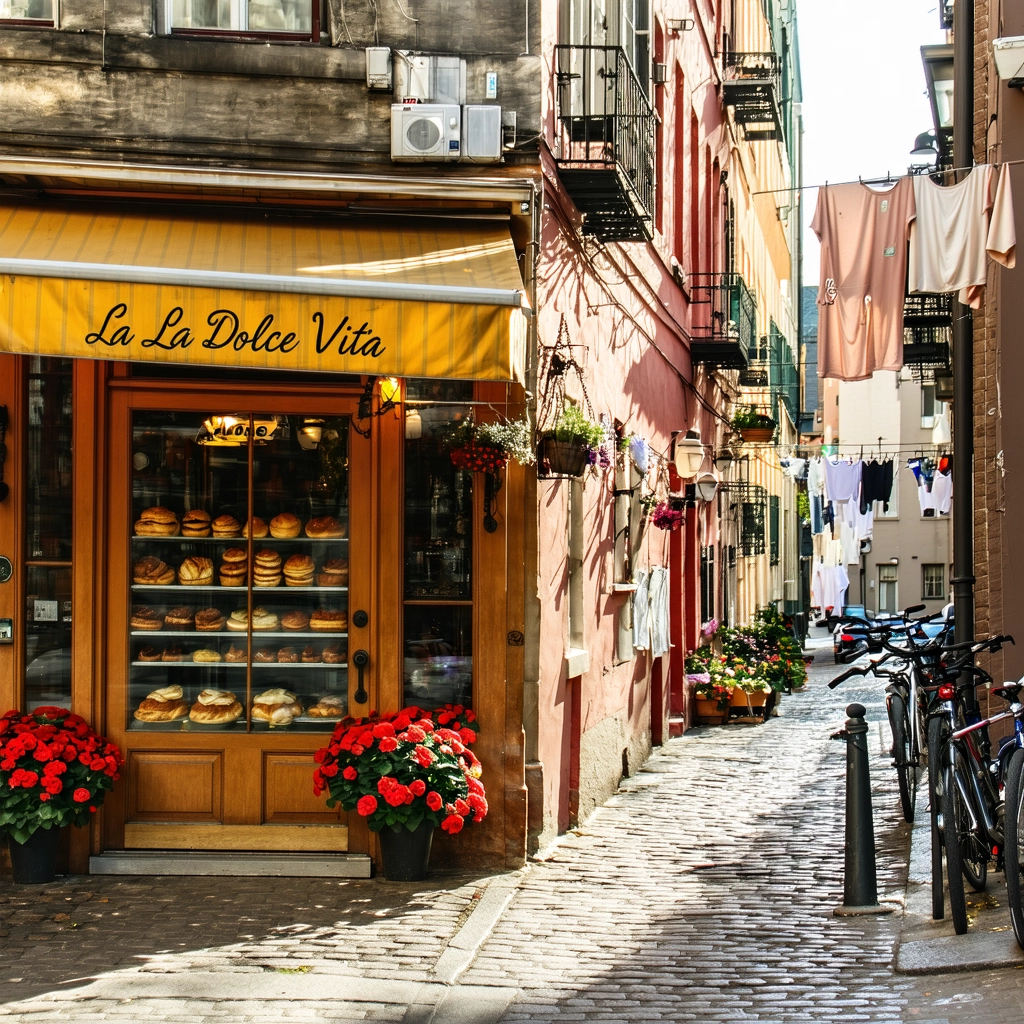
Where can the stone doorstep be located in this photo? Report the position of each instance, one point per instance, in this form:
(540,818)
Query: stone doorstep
(927,946)
(187,862)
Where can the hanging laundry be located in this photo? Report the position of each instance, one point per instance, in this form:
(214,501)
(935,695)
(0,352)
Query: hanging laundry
(641,612)
(955,226)
(876,484)
(863,235)
(842,480)
(850,539)
(942,493)
(829,584)
(815,477)
(659,611)
(817,520)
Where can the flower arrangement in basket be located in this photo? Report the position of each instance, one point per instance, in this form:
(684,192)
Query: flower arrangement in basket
(54,771)
(487,447)
(574,443)
(404,769)
(667,518)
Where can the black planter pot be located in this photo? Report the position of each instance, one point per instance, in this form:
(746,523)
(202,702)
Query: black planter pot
(35,861)
(561,458)
(406,854)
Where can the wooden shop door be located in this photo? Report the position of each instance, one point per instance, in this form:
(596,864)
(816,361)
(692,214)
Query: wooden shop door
(239,567)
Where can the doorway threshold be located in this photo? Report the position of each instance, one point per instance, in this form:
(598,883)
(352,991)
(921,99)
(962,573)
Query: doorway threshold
(217,862)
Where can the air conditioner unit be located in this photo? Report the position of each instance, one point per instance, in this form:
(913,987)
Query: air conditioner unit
(426,131)
(481,133)
(428,78)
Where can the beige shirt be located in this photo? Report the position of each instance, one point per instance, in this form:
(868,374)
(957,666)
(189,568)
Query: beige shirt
(956,225)
(863,235)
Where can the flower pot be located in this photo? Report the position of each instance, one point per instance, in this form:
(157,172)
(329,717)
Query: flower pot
(708,712)
(757,433)
(742,699)
(406,854)
(561,458)
(35,861)
(479,458)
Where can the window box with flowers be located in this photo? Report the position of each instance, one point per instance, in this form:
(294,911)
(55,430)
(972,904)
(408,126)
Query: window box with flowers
(487,447)
(753,425)
(54,771)
(405,773)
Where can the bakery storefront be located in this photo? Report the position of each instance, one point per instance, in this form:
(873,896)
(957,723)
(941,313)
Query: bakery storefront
(230,518)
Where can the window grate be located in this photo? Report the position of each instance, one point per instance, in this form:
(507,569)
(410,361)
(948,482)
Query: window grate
(773,529)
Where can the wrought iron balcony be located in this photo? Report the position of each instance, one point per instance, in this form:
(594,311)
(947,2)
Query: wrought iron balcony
(751,88)
(725,321)
(605,129)
(927,332)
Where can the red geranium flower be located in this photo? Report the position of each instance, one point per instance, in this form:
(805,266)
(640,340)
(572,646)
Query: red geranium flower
(452,824)
(349,773)
(424,756)
(367,805)
(387,744)
(81,795)
(418,787)
(434,801)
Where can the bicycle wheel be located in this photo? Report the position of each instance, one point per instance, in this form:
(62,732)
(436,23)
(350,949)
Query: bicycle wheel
(1013,851)
(938,732)
(952,818)
(906,773)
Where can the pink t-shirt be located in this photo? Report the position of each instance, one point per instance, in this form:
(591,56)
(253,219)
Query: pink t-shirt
(863,235)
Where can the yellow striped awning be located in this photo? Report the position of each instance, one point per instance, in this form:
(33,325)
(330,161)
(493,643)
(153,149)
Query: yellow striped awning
(399,297)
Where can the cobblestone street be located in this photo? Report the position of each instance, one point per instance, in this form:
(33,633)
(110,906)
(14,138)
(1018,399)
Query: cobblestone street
(702,891)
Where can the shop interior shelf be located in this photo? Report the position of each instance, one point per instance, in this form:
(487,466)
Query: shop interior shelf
(239,633)
(236,664)
(240,541)
(184,588)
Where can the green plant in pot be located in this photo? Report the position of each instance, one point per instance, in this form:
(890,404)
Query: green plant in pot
(752,424)
(54,771)
(487,447)
(406,773)
(572,445)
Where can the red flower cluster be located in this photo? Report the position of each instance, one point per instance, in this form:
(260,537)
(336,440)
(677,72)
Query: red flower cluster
(402,768)
(479,458)
(51,764)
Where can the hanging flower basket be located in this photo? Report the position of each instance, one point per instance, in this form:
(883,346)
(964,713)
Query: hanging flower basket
(479,458)
(562,458)
(754,434)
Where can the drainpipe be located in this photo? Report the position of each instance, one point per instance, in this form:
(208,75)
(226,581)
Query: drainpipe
(963,342)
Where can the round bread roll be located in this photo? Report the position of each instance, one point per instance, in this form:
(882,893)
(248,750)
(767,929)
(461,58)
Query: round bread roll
(179,618)
(145,528)
(266,581)
(234,555)
(332,579)
(310,656)
(267,705)
(205,656)
(162,710)
(268,558)
(196,516)
(233,579)
(324,526)
(215,707)
(148,570)
(328,706)
(172,653)
(148,653)
(209,620)
(327,620)
(299,565)
(287,656)
(264,620)
(259,528)
(265,656)
(235,655)
(239,620)
(158,514)
(196,571)
(295,620)
(147,619)
(285,525)
(335,654)
(226,526)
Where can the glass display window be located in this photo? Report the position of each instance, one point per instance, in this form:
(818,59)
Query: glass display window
(239,572)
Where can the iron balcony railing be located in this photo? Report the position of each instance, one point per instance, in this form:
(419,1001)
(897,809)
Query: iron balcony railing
(751,86)
(725,320)
(606,141)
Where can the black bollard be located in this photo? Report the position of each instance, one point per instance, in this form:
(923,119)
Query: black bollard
(860,889)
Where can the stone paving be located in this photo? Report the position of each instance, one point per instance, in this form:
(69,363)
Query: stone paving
(703,890)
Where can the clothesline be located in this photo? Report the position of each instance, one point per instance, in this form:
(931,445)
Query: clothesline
(882,181)
(924,449)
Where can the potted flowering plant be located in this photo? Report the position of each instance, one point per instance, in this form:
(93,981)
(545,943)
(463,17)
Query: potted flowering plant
(750,692)
(405,773)
(753,425)
(573,444)
(487,447)
(54,771)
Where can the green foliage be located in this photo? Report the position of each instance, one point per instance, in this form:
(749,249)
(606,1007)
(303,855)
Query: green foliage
(748,416)
(513,437)
(803,505)
(574,427)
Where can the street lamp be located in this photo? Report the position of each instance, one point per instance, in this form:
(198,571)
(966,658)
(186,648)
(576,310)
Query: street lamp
(689,454)
(707,486)
(723,460)
(938,73)
(925,152)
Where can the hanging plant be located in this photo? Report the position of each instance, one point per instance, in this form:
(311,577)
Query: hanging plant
(487,447)
(574,443)
(666,517)
(648,503)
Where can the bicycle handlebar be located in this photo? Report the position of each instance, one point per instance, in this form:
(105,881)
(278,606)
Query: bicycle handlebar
(848,674)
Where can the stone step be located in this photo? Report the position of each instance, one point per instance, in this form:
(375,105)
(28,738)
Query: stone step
(217,862)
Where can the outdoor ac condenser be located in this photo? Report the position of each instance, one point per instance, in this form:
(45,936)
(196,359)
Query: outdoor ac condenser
(481,133)
(426,132)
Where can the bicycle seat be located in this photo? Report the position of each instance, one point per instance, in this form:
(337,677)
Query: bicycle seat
(1010,692)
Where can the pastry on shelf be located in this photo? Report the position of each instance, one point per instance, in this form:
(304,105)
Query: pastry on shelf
(206,656)
(236,655)
(277,706)
(147,618)
(333,573)
(215,707)
(266,569)
(259,528)
(234,568)
(152,572)
(285,525)
(157,522)
(297,620)
(172,653)
(287,656)
(226,526)
(195,523)
(298,571)
(209,620)
(335,654)
(147,653)
(164,705)
(196,572)
(324,526)
(310,655)
(179,618)
(330,705)
(265,656)
(328,621)
(261,620)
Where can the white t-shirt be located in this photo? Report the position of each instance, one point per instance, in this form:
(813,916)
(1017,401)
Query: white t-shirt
(955,226)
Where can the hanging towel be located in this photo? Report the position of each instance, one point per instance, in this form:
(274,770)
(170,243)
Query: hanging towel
(641,612)
(659,611)
(863,235)
(955,226)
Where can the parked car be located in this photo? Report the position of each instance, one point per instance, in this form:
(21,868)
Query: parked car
(850,637)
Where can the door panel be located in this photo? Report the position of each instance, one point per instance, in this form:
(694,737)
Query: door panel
(288,794)
(175,785)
